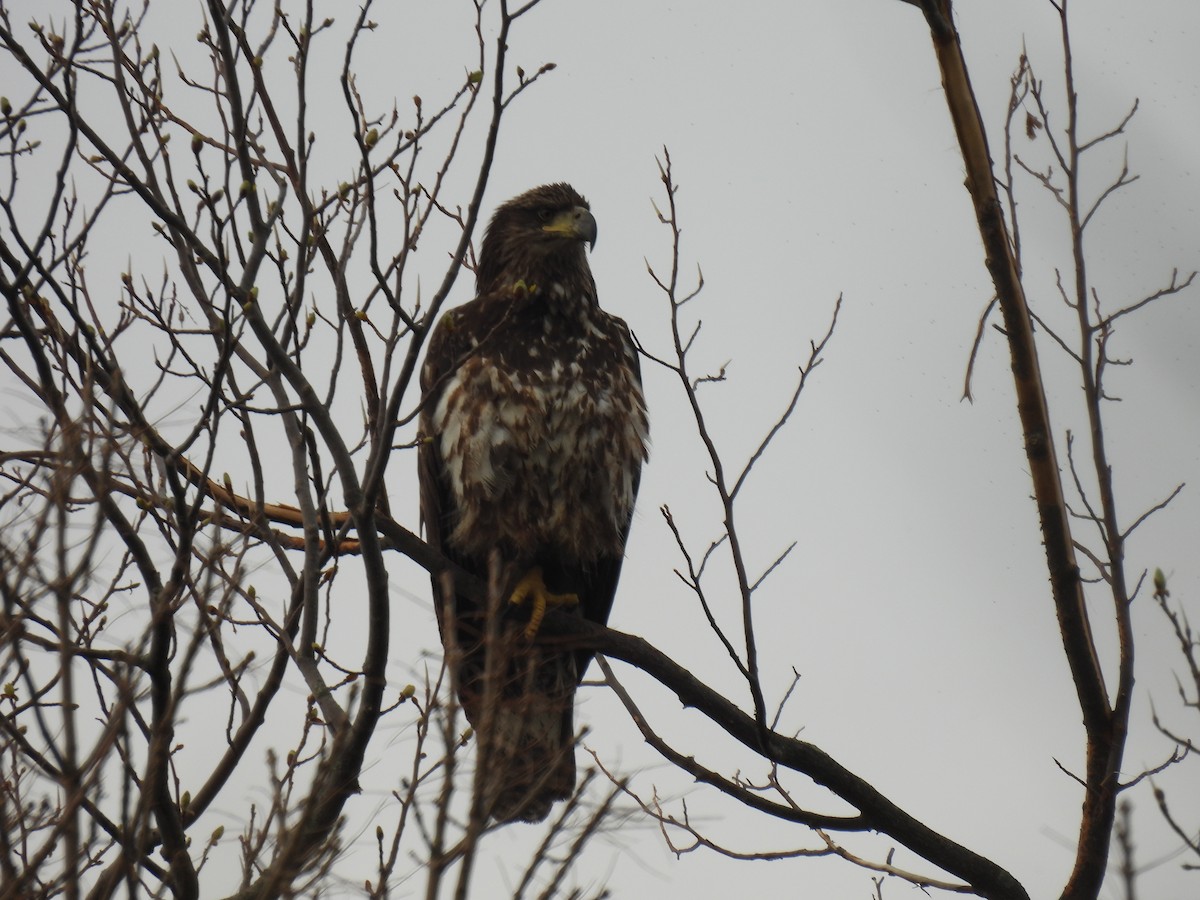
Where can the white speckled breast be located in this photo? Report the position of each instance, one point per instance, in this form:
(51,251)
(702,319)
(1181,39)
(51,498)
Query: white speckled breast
(544,452)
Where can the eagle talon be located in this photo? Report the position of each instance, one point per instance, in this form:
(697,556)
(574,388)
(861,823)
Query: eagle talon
(533,588)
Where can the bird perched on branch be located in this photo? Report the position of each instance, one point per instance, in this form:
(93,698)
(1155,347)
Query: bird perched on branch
(534,431)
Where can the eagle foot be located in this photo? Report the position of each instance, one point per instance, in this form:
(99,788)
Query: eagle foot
(532,588)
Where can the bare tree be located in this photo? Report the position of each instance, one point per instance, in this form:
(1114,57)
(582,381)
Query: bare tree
(1184,745)
(197,530)
(1068,510)
(155,587)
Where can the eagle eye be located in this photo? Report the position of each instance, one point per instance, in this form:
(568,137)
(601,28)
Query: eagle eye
(543,215)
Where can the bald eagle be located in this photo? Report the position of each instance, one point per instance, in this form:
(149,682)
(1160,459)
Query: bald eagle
(534,433)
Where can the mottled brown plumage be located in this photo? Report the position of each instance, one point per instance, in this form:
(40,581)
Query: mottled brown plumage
(536,431)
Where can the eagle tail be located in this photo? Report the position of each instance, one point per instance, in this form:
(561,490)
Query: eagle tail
(529,760)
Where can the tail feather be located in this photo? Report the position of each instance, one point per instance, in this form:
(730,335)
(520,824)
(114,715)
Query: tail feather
(531,762)
(528,757)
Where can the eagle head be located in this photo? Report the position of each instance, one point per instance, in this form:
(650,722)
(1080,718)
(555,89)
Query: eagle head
(538,237)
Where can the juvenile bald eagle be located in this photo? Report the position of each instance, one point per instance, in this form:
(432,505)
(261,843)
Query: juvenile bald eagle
(535,431)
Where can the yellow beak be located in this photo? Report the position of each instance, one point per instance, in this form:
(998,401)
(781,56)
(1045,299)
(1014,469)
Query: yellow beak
(576,224)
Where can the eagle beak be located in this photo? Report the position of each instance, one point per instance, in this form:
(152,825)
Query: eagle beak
(576,223)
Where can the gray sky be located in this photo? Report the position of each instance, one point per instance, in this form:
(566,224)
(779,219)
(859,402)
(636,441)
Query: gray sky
(816,158)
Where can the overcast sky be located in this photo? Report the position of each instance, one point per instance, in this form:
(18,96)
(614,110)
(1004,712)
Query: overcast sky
(815,155)
(815,158)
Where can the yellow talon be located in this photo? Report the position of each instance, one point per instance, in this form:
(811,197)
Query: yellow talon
(532,587)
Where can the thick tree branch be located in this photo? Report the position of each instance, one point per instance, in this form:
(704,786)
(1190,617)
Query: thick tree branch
(876,811)
(1104,720)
